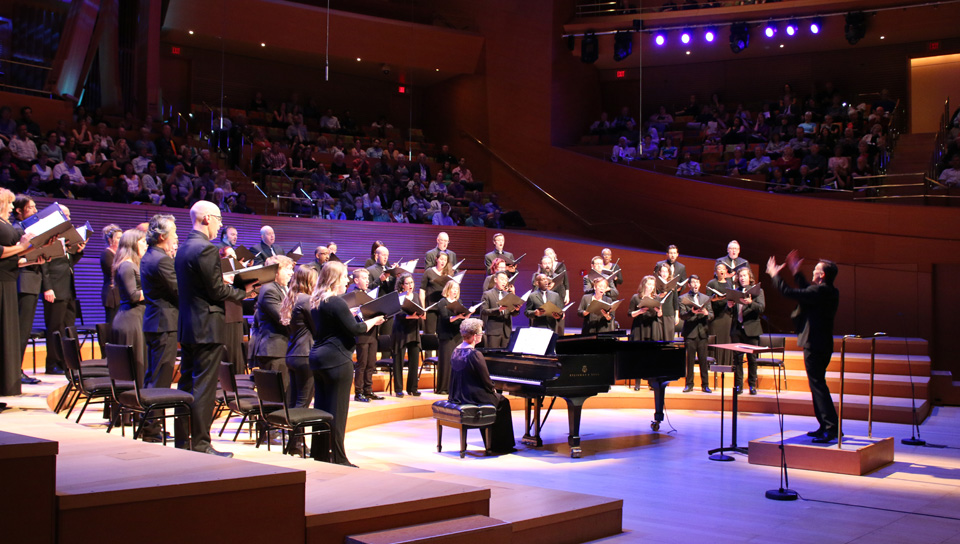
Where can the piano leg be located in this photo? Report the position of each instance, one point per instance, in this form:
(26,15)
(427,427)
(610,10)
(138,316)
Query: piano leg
(574,409)
(534,405)
(659,391)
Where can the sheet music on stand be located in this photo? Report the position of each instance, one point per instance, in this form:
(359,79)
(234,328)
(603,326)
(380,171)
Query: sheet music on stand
(533,341)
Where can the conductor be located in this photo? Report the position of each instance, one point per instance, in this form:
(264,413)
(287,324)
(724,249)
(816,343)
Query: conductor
(813,318)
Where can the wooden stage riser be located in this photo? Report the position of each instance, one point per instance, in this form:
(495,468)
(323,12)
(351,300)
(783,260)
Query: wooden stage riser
(915,346)
(338,532)
(861,364)
(765,383)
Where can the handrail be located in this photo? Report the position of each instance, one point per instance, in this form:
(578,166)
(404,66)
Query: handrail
(28,89)
(552,198)
(42,67)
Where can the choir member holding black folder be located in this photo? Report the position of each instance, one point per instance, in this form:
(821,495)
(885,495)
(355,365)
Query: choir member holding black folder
(597,309)
(747,327)
(431,284)
(334,338)
(28,282)
(646,311)
(499,305)
(366,344)
(696,313)
(545,307)
(406,339)
(295,315)
(127,325)
(722,313)
(13,243)
(666,290)
(452,314)
(733,261)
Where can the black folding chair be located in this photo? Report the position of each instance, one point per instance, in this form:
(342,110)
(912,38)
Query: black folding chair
(271,394)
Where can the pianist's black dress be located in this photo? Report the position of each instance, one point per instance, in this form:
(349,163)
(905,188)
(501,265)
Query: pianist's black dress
(470,384)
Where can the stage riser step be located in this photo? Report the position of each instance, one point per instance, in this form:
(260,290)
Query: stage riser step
(891,345)
(797,381)
(467,530)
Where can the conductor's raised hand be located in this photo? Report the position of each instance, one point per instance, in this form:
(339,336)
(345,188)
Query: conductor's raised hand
(794,261)
(772,267)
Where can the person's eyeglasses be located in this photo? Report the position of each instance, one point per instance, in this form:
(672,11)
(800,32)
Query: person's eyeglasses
(219,217)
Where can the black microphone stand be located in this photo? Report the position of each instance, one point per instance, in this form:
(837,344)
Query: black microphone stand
(914,439)
(783,493)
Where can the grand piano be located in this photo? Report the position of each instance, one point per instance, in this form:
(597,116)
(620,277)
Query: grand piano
(584,365)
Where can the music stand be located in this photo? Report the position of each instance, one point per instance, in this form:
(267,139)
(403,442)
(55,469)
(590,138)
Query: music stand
(740,348)
(717,454)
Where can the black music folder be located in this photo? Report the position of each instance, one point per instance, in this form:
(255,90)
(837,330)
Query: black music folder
(388,305)
(597,305)
(254,274)
(458,308)
(447,278)
(736,295)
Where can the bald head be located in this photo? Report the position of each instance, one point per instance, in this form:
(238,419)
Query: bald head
(267,235)
(443,240)
(206,218)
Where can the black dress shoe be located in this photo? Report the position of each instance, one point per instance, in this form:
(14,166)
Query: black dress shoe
(399,395)
(54,370)
(373,396)
(753,390)
(825,437)
(814,434)
(360,398)
(153,439)
(737,389)
(706,389)
(211,451)
(413,393)
(28,380)
(688,389)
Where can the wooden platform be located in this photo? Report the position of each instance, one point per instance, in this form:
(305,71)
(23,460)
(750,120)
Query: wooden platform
(858,455)
(28,470)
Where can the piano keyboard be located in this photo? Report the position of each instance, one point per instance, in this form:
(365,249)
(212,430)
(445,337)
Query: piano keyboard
(510,379)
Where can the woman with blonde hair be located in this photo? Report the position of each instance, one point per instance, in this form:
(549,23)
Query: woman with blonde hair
(12,244)
(295,315)
(334,339)
(128,321)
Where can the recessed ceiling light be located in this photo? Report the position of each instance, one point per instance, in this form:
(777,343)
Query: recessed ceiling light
(358,59)
(190,32)
(883,37)
(688,52)
(262,44)
(781,46)
(438,70)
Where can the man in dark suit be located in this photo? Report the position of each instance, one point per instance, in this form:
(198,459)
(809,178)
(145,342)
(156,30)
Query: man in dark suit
(202,290)
(499,319)
(320,257)
(228,237)
(746,329)
(813,318)
(677,269)
(443,241)
(266,248)
(732,259)
(696,312)
(269,348)
(29,282)
(59,300)
(540,296)
(366,348)
(158,280)
(499,253)
(386,282)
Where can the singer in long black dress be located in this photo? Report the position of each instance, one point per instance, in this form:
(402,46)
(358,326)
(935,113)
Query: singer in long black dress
(470,384)
(448,333)
(430,290)
(669,306)
(406,340)
(647,324)
(128,321)
(13,244)
(722,314)
(334,339)
(295,314)
(109,295)
(596,322)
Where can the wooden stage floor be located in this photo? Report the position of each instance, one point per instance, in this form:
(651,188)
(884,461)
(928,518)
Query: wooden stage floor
(671,492)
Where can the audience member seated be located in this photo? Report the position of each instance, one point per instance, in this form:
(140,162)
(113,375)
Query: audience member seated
(601,126)
(688,167)
(760,163)
(669,151)
(623,152)
(737,165)
(649,150)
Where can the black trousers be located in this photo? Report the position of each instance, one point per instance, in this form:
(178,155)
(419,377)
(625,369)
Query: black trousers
(301,382)
(738,336)
(501,431)
(430,322)
(198,376)
(697,352)
(365,368)
(161,355)
(413,366)
(816,363)
(333,396)
(56,317)
(27,305)
(443,364)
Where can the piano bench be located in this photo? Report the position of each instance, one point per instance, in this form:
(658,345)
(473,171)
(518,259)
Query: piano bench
(463,417)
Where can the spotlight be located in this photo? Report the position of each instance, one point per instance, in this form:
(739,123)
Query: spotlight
(710,34)
(815,26)
(792,27)
(856,27)
(622,45)
(685,36)
(770,30)
(660,38)
(739,37)
(589,48)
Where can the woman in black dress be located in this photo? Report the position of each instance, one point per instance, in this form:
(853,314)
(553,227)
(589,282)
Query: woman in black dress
(334,338)
(448,333)
(406,339)
(430,290)
(108,293)
(722,314)
(647,322)
(295,314)
(128,322)
(669,306)
(13,244)
(596,322)
(470,384)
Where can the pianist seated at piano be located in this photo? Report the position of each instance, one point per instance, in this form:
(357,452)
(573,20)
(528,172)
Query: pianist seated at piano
(470,384)
(600,320)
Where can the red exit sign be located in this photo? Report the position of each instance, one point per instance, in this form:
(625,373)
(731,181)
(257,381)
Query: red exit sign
(933,46)
(621,74)
(174,50)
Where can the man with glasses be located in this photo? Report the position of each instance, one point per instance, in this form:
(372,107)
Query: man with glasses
(202,290)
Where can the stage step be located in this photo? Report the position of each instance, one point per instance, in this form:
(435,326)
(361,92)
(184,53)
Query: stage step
(887,344)
(28,470)
(918,365)
(466,530)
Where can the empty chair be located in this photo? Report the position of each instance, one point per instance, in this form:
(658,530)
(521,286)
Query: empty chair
(238,401)
(385,347)
(429,342)
(773,360)
(122,366)
(93,388)
(270,394)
